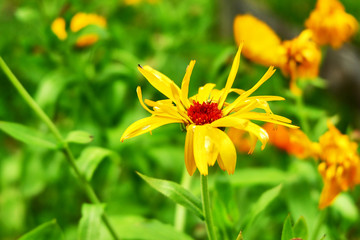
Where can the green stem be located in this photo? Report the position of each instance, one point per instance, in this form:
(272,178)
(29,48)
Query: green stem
(180,211)
(69,156)
(206,207)
(319,222)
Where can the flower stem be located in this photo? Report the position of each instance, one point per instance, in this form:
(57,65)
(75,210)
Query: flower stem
(180,211)
(206,207)
(63,144)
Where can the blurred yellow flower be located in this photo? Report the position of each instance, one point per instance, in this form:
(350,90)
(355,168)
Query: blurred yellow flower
(81,20)
(299,57)
(58,28)
(339,164)
(204,114)
(303,58)
(293,141)
(331,24)
(135,2)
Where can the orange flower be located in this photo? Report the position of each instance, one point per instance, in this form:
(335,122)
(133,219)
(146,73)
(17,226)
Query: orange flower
(136,2)
(293,141)
(339,166)
(299,57)
(331,24)
(82,20)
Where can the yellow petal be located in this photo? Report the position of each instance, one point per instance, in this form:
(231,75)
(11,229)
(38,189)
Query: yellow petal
(238,101)
(146,125)
(185,85)
(261,44)
(259,132)
(189,150)
(159,81)
(230,121)
(139,94)
(226,148)
(204,93)
(204,149)
(231,78)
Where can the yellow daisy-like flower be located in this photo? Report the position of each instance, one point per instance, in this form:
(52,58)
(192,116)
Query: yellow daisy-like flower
(58,28)
(81,20)
(204,114)
(299,57)
(339,166)
(331,24)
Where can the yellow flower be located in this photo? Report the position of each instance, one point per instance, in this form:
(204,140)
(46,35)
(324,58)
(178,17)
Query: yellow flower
(58,28)
(81,20)
(331,24)
(293,141)
(299,57)
(135,2)
(302,58)
(339,166)
(204,114)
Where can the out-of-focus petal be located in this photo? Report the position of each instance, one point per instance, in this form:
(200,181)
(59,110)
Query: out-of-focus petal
(261,43)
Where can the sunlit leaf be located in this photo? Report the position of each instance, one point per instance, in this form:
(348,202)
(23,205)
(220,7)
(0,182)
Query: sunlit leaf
(81,137)
(27,135)
(346,206)
(176,193)
(46,231)
(90,222)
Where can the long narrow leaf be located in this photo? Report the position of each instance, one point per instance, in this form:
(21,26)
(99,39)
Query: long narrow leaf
(176,193)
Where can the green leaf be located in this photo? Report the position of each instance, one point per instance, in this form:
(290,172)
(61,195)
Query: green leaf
(287,232)
(90,222)
(46,231)
(176,193)
(300,229)
(26,135)
(257,176)
(90,159)
(81,137)
(264,201)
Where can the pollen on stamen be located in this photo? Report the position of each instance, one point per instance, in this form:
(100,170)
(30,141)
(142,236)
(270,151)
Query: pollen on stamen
(204,113)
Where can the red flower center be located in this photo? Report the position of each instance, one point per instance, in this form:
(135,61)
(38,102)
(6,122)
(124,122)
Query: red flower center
(204,113)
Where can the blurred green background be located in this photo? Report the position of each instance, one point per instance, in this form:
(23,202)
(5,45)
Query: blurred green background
(93,89)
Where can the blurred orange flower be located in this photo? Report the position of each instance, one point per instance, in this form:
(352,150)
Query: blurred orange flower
(241,139)
(299,57)
(78,22)
(339,166)
(293,141)
(331,24)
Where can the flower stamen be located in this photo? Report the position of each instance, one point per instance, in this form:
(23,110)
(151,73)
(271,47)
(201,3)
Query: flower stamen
(204,113)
